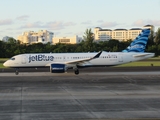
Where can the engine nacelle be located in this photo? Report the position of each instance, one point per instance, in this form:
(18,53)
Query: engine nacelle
(58,68)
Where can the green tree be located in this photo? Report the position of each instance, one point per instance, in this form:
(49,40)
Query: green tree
(151,39)
(47,47)
(88,38)
(12,41)
(157,37)
(113,43)
(2,49)
(80,47)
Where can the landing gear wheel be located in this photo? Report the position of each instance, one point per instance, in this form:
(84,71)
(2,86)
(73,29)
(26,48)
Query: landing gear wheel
(76,72)
(16,72)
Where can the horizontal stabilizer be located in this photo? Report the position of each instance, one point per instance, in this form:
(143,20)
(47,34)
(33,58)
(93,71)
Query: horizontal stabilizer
(143,55)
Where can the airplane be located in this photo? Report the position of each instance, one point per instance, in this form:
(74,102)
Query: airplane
(61,62)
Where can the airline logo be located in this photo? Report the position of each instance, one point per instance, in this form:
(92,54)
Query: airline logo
(137,46)
(57,68)
(40,58)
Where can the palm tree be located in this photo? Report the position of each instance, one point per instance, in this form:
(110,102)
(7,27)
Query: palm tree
(88,38)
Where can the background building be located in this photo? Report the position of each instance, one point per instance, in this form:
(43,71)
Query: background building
(69,40)
(42,36)
(118,34)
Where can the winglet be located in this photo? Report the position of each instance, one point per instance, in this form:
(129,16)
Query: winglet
(97,56)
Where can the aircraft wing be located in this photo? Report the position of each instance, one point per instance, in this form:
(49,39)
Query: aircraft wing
(79,60)
(84,60)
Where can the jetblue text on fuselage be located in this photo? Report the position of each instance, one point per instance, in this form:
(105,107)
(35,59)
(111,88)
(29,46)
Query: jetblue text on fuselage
(40,58)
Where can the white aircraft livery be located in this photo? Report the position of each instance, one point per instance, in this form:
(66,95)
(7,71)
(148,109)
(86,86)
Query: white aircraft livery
(60,62)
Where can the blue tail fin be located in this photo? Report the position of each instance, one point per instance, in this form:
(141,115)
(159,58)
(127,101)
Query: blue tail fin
(139,43)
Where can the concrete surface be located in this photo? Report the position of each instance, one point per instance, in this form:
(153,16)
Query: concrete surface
(114,95)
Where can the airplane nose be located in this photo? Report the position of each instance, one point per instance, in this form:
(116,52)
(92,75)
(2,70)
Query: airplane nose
(5,64)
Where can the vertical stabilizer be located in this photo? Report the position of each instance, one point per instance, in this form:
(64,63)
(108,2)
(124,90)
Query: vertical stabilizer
(139,43)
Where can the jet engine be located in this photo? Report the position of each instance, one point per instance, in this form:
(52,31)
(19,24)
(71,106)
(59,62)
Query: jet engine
(58,68)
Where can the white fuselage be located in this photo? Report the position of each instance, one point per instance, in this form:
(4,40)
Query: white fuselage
(46,59)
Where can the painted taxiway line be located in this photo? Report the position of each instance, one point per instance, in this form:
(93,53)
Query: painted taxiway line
(81,74)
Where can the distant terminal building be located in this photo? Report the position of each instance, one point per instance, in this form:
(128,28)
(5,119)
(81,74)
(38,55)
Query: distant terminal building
(118,34)
(30,37)
(67,40)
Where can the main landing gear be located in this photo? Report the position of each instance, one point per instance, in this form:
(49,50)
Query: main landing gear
(16,71)
(76,71)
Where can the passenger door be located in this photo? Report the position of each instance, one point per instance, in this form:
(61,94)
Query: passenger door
(24,59)
(120,58)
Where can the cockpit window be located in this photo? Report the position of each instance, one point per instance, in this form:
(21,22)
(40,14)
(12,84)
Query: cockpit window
(12,59)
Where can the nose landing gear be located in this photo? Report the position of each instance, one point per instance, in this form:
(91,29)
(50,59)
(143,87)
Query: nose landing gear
(16,71)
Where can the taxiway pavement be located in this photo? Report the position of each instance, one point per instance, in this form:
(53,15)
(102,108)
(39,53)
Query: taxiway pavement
(89,69)
(102,95)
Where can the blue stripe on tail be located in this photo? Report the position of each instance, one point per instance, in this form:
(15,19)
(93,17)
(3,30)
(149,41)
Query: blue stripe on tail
(139,44)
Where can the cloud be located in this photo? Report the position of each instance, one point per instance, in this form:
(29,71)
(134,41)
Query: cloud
(79,33)
(69,24)
(9,29)
(100,21)
(87,22)
(146,22)
(139,23)
(56,33)
(6,22)
(108,24)
(23,17)
(69,33)
(32,25)
(56,25)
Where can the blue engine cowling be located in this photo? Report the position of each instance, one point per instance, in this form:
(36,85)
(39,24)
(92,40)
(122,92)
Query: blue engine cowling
(58,68)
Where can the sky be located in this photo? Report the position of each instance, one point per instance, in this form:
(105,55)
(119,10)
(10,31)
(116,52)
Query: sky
(67,18)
